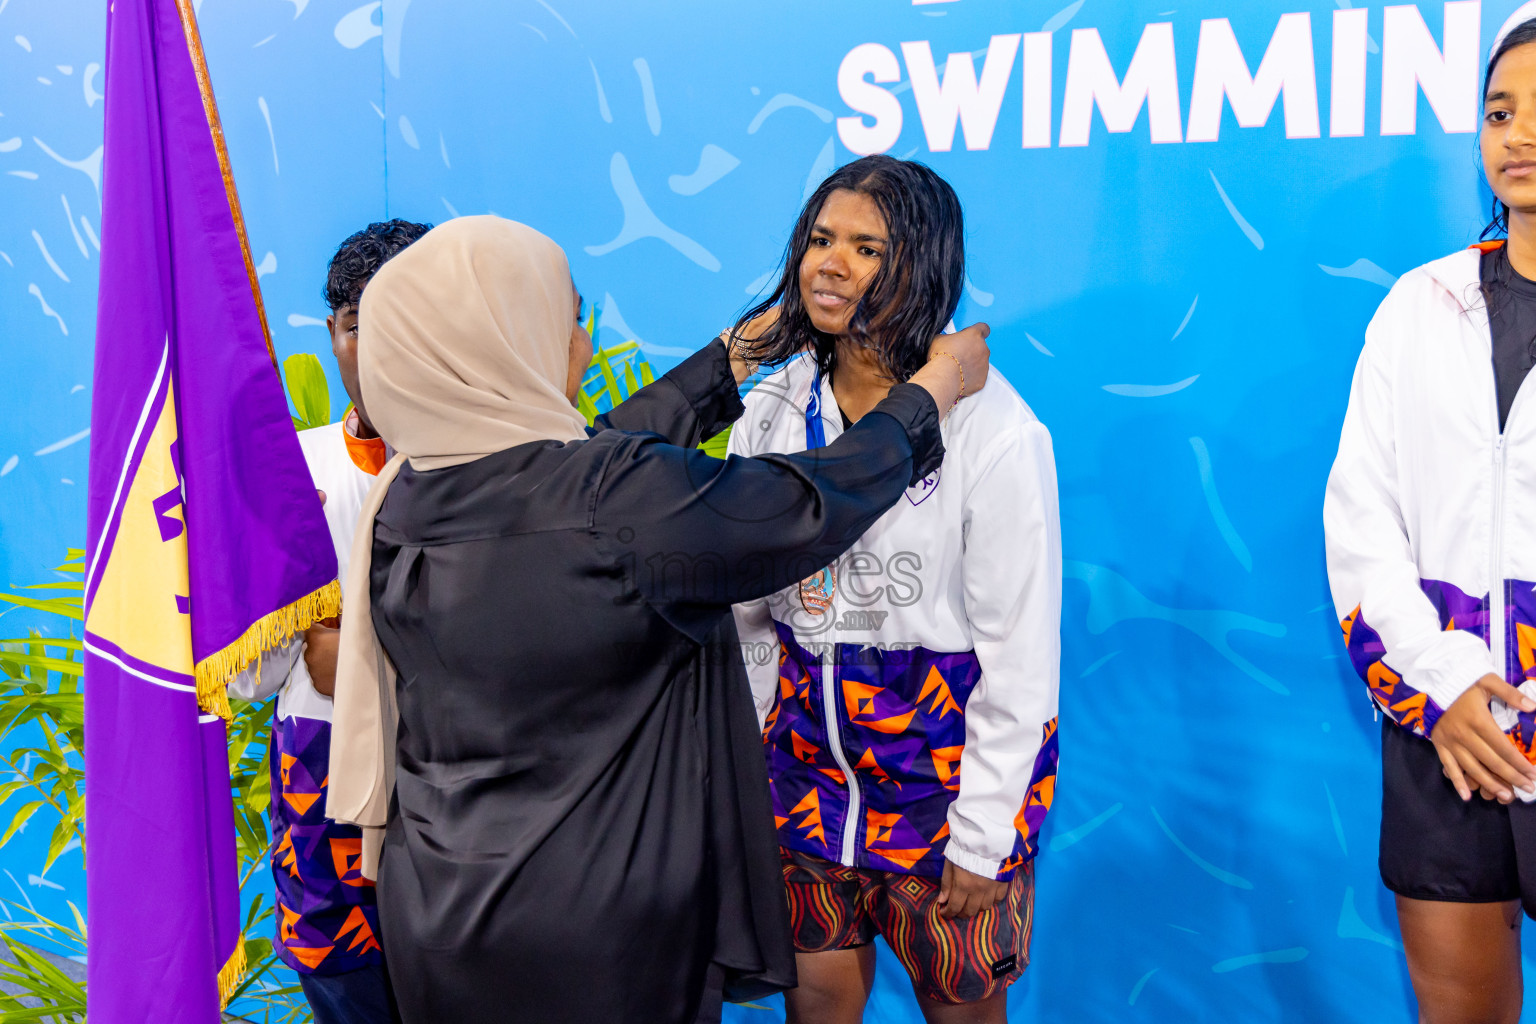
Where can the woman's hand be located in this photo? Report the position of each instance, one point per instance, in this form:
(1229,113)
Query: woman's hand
(957,366)
(964,894)
(744,359)
(1474,752)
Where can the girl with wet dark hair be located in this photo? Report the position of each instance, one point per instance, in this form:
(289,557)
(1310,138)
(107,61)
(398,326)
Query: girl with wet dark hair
(1432,560)
(908,689)
(908,299)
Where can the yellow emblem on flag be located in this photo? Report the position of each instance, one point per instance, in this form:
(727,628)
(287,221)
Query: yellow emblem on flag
(142,604)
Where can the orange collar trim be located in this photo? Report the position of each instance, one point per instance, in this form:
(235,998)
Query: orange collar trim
(367,454)
(1492,246)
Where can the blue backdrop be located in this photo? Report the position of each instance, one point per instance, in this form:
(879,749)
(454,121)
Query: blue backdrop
(1184,317)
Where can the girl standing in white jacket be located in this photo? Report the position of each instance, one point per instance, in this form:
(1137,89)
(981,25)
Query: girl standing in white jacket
(1430,518)
(908,691)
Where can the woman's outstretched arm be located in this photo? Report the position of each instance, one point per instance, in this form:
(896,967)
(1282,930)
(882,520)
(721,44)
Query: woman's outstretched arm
(694,400)
(696,534)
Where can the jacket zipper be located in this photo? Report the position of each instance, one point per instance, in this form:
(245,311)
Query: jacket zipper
(1497,633)
(830,704)
(835,744)
(1496,636)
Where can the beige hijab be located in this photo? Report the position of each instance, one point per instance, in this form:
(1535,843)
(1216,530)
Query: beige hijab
(463,352)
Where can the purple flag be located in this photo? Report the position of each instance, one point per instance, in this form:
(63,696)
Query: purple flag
(206,541)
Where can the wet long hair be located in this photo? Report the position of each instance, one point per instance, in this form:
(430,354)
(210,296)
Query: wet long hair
(1521,34)
(915,289)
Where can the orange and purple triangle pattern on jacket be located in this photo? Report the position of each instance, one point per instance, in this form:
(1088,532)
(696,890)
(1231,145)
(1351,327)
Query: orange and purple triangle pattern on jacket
(1400,701)
(1412,709)
(901,727)
(328,917)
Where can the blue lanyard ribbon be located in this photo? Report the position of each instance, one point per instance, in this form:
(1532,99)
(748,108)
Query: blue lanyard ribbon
(817,590)
(815,435)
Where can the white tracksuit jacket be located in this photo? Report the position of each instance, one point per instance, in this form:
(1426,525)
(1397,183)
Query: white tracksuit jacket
(1430,512)
(916,718)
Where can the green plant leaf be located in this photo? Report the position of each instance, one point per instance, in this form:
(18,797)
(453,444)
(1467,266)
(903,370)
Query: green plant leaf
(55,1011)
(31,958)
(79,919)
(307,390)
(68,643)
(40,925)
(61,997)
(20,819)
(257,950)
(63,833)
(252,916)
(586,407)
(250,841)
(605,367)
(601,384)
(57,605)
(716,446)
(258,795)
(73,668)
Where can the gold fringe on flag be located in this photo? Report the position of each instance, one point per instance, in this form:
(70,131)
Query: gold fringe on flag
(220,668)
(232,973)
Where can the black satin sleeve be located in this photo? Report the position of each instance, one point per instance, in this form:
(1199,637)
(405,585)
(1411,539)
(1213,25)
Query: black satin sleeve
(694,400)
(693,534)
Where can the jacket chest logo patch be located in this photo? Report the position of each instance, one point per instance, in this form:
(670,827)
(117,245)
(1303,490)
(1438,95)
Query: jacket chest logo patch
(863,621)
(920,491)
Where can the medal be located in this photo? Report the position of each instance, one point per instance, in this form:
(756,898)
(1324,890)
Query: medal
(817,589)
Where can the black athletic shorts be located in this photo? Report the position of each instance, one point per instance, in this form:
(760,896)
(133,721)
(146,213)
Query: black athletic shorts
(1434,846)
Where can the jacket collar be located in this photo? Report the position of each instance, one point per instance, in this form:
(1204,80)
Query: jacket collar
(1459,274)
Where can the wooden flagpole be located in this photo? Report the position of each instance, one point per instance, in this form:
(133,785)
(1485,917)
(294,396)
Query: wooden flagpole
(210,107)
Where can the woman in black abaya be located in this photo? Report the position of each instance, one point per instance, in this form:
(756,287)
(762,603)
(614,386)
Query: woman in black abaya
(540,697)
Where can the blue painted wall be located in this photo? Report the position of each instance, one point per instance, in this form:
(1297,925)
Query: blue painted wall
(1174,313)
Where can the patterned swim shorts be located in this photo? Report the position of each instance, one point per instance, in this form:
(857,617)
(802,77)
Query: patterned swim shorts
(837,907)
